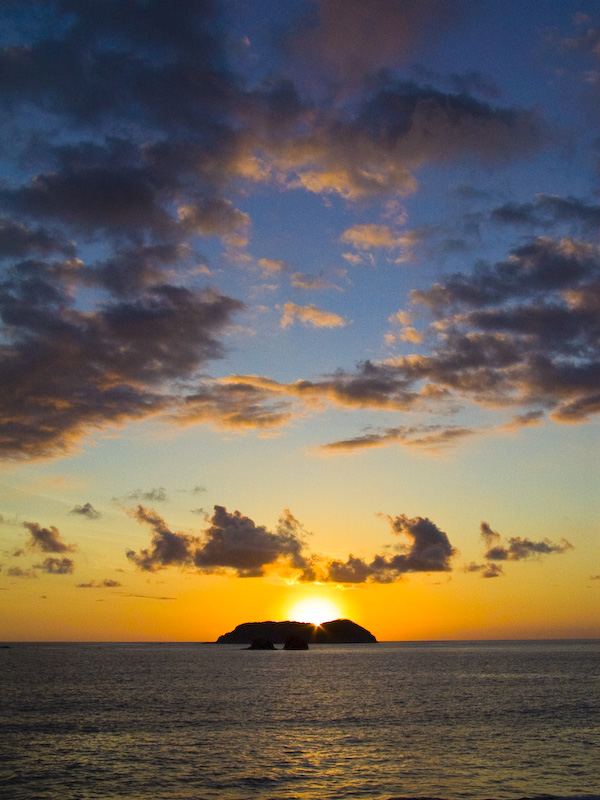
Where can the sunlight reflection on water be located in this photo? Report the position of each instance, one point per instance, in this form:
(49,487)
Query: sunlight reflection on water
(177,722)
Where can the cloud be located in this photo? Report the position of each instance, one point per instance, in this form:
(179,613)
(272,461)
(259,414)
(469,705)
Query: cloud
(235,541)
(93,199)
(168,548)
(216,216)
(234,405)
(76,371)
(348,40)
(517,548)
(106,583)
(547,210)
(150,597)
(46,539)
(396,130)
(310,315)
(490,570)
(270,266)
(17,572)
(527,420)
(373,236)
(86,510)
(19,241)
(300,280)
(156,495)
(56,566)
(134,269)
(232,541)
(371,385)
(426,437)
(522,333)
(429,550)
(587,42)
(164,138)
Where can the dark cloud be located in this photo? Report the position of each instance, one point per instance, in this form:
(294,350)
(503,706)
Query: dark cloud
(86,510)
(161,78)
(17,572)
(517,548)
(429,550)
(542,265)
(106,583)
(47,539)
(73,371)
(235,541)
(18,241)
(490,570)
(134,269)
(235,405)
(216,216)
(521,333)
(168,548)
(162,135)
(393,132)
(426,437)
(524,331)
(56,566)
(152,57)
(92,199)
(547,210)
(232,541)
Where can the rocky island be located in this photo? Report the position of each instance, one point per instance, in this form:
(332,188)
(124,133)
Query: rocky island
(337,631)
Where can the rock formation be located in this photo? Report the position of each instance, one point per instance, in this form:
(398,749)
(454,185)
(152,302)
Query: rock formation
(261,644)
(337,631)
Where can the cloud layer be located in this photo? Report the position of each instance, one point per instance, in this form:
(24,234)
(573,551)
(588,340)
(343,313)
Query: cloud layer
(104,320)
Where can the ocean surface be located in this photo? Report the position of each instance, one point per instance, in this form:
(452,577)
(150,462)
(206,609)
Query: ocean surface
(451,720)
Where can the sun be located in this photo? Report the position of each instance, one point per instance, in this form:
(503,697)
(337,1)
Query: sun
(315,610)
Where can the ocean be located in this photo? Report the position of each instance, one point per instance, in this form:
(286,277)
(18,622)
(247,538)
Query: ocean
(449,720)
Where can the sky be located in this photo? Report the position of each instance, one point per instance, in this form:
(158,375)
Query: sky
(300,305)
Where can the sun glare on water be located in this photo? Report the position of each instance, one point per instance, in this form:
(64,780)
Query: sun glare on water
(315,610)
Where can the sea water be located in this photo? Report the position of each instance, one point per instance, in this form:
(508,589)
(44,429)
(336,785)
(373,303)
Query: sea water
(391,720)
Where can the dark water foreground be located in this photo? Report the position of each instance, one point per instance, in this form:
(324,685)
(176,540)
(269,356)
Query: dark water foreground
(193,722)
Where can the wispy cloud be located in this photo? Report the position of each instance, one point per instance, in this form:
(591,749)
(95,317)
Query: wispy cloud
(86,510)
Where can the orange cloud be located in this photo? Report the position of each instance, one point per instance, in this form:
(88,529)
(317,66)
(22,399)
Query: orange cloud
(372,235)
(310,315)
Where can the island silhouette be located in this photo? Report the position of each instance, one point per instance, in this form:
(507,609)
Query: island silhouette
(269,633)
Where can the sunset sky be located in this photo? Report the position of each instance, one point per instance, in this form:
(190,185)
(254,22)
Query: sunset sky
(300,300)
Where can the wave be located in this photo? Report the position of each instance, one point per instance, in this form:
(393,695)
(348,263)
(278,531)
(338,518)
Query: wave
(522,797)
